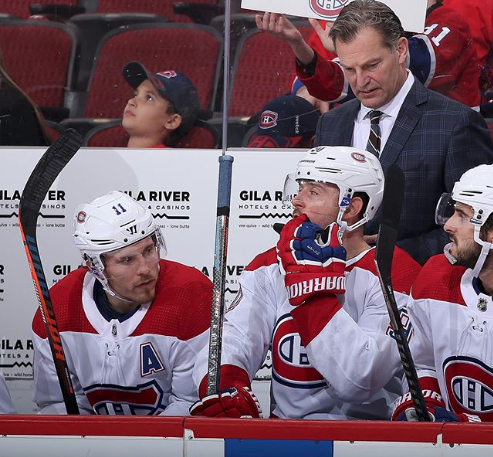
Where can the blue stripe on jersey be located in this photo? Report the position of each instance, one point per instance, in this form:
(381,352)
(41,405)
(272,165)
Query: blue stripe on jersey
(274,448)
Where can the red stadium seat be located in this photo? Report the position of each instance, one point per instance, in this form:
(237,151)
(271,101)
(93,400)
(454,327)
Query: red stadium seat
(20,8)
(39,57)
(112,134)
(263,68)
(193,49)
(162,7)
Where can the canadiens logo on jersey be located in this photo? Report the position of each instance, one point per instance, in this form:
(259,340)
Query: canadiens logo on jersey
(290,364)
(328,9)
(469,384)
(268,119)
(113,400)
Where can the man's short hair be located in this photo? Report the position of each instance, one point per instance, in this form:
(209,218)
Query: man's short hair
(361,14)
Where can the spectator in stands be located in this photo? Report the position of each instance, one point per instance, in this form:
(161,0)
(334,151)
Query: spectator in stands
(163,109)
(21,121)
(288,121)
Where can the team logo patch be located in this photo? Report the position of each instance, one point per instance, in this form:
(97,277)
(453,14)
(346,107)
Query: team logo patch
(81,217)
(358,157)
(268,119)
(290,364)
(406,325)
(168,74)
(328,9)
(469,384)
(113,400)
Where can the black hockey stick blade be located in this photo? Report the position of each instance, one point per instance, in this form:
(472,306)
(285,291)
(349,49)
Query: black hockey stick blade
(393,198)
(44,174)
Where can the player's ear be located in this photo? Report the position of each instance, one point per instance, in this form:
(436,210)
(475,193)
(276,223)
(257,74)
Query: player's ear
(354,209)
(173,122)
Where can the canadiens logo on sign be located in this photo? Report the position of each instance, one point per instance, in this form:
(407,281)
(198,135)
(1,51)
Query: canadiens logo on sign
(268,119)
(469,384)
(290,364)
(113,400)
(328,9)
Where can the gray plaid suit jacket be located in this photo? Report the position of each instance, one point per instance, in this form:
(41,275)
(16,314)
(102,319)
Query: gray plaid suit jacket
(434,141)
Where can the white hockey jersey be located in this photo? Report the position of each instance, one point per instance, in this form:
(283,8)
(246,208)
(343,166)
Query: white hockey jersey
(345,372)
(140,366)
(453,342)
(6,406)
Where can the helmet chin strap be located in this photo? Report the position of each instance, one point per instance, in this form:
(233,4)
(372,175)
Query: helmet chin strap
(485,250)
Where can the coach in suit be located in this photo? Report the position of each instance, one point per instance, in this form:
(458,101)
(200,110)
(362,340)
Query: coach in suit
(432,138)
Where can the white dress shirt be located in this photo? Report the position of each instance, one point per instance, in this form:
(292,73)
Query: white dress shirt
(390,111)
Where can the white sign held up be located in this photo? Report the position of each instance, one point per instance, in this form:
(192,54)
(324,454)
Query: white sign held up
(412,13)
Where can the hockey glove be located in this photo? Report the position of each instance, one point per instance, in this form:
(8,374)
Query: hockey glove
(438,414)
(311,266)
(239,402)
(405,411)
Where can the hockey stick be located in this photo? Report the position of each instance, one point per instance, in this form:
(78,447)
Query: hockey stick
(46,171)
(393,198)
(222,224)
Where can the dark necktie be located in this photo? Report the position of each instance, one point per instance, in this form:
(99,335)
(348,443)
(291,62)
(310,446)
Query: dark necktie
(373,144)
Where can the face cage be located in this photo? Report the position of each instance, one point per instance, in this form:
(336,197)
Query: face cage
(97,265)
(291,189)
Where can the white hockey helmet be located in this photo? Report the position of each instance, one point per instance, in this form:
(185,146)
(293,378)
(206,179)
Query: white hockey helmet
(109,223)
(351,170)
(475,189)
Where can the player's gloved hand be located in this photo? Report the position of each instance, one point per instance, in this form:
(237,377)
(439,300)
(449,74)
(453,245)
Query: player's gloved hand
(438,414)
(311,265)
(238,402)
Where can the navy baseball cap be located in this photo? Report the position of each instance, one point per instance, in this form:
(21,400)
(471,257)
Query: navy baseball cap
(284,122)
(172,85)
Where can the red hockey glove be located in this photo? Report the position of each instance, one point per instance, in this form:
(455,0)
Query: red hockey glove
(238,402)
(311,266)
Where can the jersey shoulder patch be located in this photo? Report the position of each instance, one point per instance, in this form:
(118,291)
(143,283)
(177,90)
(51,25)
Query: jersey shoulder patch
(439,280)
(265,259)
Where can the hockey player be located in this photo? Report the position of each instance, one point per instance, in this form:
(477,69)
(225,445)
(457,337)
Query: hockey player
(5,400)
(443,58)
(131,324)
(324,317)
(452,309)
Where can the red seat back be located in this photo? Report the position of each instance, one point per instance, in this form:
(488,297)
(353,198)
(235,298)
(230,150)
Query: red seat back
(263,69)
(161,7)
(38,57)
(202,136)
(20,8)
